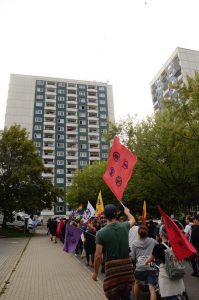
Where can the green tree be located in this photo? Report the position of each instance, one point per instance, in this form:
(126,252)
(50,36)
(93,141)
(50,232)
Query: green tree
(86,186)
(22,186)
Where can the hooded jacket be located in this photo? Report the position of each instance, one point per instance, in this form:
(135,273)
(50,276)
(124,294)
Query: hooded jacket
(141,249)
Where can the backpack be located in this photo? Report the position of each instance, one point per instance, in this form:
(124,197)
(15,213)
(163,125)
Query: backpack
(174,268)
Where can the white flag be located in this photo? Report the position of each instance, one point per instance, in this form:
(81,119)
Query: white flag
(88,213)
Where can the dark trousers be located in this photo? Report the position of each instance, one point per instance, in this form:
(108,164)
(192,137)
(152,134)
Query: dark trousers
(195,265)
(88,256)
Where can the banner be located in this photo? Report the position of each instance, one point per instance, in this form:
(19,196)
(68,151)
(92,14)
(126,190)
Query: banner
(181,246)
(88,213)
(121,163)
(72,236)
(144,213)
(99,205)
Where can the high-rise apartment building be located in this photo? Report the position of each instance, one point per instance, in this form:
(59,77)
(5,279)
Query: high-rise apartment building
(181,63)
(65,118)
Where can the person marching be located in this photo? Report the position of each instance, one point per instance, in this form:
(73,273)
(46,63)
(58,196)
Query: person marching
(113,240)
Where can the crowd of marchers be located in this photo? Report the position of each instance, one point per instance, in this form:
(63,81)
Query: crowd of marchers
(129,254)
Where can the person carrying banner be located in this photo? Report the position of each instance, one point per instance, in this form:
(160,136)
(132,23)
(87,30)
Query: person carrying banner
(195,242)
(169,289)
(113,239)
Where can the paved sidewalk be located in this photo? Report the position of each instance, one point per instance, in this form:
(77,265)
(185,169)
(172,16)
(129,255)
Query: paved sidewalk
(46,272)
(10,251)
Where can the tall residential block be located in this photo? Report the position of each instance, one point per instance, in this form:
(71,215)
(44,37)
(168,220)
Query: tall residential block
(181,63)
(66,120)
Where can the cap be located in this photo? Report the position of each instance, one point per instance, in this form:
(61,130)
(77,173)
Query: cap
(110,211)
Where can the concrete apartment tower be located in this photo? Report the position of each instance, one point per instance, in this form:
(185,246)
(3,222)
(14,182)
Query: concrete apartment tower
(65,118)
(181,63)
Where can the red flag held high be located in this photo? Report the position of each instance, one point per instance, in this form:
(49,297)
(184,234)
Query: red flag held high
(181,246)
(119,169)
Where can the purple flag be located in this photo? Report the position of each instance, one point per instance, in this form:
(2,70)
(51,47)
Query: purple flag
(72,237)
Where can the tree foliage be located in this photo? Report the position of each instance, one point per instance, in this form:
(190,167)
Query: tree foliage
(167,146)
(22,186)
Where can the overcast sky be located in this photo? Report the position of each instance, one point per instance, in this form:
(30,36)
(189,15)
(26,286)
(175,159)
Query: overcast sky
(123,41)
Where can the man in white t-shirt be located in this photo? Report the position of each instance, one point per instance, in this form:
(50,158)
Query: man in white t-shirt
(133,236)
(187,230)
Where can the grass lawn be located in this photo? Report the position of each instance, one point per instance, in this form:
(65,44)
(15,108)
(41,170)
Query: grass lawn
(13,232)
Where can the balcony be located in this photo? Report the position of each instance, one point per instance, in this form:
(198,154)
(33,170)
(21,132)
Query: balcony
(75,166)
(72,99)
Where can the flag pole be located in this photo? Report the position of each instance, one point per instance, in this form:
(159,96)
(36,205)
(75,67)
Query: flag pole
(122,204)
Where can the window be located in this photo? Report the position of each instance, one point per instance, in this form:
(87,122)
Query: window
(61,84)
(82,100)
(82,115)
(60,145)
(81,93)
(61,92)
(102,102)
(105,147)
(82,137)
(61,105)
(39,89)
(102,108)
(60,136)
(40,82)
(83,163)
(38,119)
(102,95)
(83,146)
(82,87)
(39,97)
(83,154)
(101,88)
(103,116)
(37,135)
(38,112)
(37,144)
(60,162)
(60,171)
(82,129)
(60,98)
(37,127)
(60,121)
(60,153)
(38,152)
(82,122)
(103,130)
(59,208)
(102,123)
(60,128)
(82,107)
(39,104)
(104,155)
(61,113)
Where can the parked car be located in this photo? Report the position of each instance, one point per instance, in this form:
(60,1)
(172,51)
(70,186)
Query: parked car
(18,220)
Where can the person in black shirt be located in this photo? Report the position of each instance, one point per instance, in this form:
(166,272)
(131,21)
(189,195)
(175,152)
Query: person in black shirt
(195,242)
(169,289)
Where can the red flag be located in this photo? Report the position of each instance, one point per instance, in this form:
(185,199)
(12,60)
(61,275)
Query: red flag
(181,246)
(120,166)
(144,213)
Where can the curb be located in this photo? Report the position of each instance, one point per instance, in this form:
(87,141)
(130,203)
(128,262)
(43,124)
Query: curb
(3,286)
